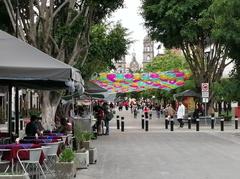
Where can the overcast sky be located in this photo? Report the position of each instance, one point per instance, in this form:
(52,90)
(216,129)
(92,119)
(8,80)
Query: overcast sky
(131,19)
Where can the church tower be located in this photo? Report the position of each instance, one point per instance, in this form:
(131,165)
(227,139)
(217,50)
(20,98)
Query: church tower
(148,50)
(134,65)
(120,65)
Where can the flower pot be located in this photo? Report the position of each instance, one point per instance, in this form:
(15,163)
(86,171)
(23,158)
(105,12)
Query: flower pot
(65,170)
(14,176)
(82,159)
(93,155)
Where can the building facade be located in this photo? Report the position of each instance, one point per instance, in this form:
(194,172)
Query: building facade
(134,65)
(148,50)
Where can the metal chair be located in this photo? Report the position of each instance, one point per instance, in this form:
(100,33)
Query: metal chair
(45,150)
(52,156)
(34,157)
(4,162)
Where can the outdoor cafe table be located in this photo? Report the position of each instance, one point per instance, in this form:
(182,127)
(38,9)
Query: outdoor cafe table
(24,155)
(44,137)
(38,141)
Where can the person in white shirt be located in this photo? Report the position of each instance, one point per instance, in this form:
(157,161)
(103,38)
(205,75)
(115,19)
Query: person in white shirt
(181,114)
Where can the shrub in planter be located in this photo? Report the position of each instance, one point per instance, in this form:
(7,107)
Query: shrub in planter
(65,168)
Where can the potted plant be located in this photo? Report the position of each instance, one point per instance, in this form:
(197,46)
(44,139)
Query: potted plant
(81,155)
(87,137)
(65,168)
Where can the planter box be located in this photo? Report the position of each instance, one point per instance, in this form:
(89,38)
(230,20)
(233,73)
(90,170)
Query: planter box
(82,159)
(86,144)
(93,155)
(20,176)
(65,170)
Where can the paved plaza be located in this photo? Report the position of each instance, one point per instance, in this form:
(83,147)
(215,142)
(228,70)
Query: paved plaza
(162,154)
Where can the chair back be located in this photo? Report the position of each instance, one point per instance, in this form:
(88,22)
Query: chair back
(45,150)
(34,154)
(53,148)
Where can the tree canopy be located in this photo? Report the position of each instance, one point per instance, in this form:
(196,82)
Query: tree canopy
(107,43)
(169,61)
(190,25)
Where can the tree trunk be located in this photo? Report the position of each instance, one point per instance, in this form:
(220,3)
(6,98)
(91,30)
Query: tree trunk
(49,101)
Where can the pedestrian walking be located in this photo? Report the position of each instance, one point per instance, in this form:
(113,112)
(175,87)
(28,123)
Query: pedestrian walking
(181,114)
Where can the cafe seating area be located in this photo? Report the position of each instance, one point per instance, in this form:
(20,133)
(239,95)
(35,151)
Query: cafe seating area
(33,156)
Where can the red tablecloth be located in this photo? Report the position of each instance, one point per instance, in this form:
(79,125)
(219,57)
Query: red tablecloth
(24,155)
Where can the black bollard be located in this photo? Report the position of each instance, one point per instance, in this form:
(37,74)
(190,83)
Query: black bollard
(172,124)
(21,124)
(236,122)
(122,124)
(212,121)
(118,123)
(197,124)
(222,124)
(189,122)
(142,121)
(146,123)
(166,122)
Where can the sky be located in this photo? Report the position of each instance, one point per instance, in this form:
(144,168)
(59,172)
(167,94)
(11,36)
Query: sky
(130,17)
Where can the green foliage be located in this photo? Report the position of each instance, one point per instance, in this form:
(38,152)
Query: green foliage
(107,43)
(81,135)
(174,22)
(168,61)
(34,112)
(67,155)
(227,90)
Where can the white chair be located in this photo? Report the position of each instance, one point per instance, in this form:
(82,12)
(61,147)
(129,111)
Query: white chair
(45,150)
(34,157)
(51,154)
(4,162)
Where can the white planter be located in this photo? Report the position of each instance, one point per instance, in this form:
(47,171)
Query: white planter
(20,176)
(65,170)
(82,159)
(93,155)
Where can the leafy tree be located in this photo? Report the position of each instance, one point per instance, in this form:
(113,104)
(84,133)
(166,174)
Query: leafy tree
(168,61)
(60,28)
(191,26)
(107,43)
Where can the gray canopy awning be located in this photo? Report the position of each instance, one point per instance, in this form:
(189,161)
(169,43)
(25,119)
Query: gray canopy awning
(24,65)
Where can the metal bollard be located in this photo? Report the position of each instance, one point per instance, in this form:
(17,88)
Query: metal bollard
(222,124)
(172,124)
(118,123)
(142,121)
(166,122)
(197,124)
(236,122)
(21,124)
(122,124)
(146,123)
(212,121)
(189,122)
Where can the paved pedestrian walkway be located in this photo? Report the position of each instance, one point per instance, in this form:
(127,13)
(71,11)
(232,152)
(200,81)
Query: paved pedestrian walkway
(162,154)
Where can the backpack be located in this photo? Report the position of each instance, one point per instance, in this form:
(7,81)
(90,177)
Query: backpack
(109,116)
